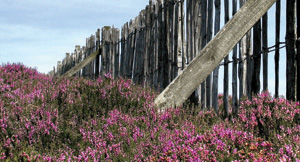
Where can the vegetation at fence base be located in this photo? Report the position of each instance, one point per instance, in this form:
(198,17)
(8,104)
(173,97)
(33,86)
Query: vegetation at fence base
(46,118)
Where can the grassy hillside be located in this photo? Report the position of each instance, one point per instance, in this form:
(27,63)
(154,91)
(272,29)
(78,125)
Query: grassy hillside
(46,118)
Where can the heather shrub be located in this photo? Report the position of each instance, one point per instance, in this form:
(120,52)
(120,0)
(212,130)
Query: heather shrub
(41,114)
(266,116)
(45,118)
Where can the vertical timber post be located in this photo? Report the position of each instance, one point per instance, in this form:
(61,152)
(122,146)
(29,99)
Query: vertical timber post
(290,49)
(234,68)
(277,52)
(265,51)
(298,51)
(226,70)
(203,43)
(209,37)
(256,57)
(97,66)
(214,52)
(216,70)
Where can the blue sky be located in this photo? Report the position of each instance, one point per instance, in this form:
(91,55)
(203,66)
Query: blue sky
(39,33)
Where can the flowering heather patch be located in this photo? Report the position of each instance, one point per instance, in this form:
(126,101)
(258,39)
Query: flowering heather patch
(46,118)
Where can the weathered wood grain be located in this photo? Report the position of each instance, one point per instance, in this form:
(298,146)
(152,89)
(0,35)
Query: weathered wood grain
(87,53)
(161,50)
(234,68)
(242,63)
(147,46)
(123,50)
(77,55)
(183,43)
(256,57)
(92,63)
(265,50)
(203,41)
(116,46)
(226,68)
(106,50)
(58,68)
(216,50)
(130,48)
(175,37)
(82,64)
(298,52)
(290,49)
(179,35)
(152,44)
(188,32)
(216,70)
(169,25)
(97,63)
(139,52)
(83,57)
(209,37)
(249,72)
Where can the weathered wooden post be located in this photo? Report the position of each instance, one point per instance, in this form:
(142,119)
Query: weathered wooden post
(234,68)
(147,47)
(87,53)
(130,49)
(256,57)
(226,69)
(188,32)
(123,50)
(52,73)
(116,35)
(105,54)
(127,46)
(68,62)
(77,55)
(203,43)
(277,43)
(175,39)
(181,39)
(97,63)
(63,65)
(243,63)
(138,74)
(265,50)
(209,37)
(156,78)
(216,70)
(213,53)
(58,73)
(72,61)
(290,49)
(112,52)
(83,50)
(249,69)
(298,51)
(152,43)
(168,14)
(174,36)
(163,57)
(92,50)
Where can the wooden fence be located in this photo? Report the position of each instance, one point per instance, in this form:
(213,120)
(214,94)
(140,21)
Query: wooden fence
(159,43)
